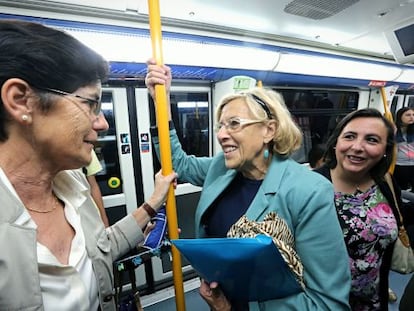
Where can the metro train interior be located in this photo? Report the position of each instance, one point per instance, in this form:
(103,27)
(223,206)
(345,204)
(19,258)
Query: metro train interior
(325,58)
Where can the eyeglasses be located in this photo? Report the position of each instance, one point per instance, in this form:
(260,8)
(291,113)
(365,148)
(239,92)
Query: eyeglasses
(235,124)
(94,104)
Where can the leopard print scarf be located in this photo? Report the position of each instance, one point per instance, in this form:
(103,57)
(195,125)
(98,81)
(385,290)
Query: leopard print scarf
(276,228)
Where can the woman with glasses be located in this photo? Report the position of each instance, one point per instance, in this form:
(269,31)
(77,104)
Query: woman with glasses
(254,176)
(55,252)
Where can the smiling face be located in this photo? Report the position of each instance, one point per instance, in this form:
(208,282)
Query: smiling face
(243,149)
(65,134)
(361,145)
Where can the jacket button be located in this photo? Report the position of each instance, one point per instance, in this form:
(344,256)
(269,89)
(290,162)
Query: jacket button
(108,298)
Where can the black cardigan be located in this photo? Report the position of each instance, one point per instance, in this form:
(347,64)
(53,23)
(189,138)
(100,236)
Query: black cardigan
(386,261)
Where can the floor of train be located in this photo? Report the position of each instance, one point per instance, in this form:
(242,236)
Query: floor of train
(163,300)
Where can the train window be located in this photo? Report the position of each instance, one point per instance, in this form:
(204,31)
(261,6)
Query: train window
(107,150)
(397,103)
(393,106)
(410,101)
(317,112)
(190,113)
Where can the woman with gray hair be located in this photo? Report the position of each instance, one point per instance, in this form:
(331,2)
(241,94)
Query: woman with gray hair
(55,252)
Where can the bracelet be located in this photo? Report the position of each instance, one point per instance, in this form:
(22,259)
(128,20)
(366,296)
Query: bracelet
(148,208)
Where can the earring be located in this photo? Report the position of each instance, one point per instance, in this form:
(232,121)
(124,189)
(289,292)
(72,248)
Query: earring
(266,154)
(25,117)
(385,155)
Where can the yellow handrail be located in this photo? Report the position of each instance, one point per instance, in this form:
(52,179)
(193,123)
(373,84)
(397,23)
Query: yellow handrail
(388,116)
(165,152)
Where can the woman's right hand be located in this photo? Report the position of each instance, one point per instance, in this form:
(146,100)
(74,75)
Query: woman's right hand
(157,74)
(214,296)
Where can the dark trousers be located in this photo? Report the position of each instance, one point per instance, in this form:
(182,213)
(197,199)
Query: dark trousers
(407,299)
(404,175)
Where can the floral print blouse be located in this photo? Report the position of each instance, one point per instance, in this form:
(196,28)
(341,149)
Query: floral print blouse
(369,226)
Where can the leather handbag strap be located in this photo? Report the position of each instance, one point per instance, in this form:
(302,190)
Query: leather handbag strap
(390,184)
(402,233)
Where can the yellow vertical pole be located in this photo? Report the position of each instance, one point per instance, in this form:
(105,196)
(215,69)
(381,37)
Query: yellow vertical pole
(259,83)
(388,115)
(165,151)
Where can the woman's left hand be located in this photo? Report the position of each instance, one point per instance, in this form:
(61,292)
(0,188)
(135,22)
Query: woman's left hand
(148,228)
(161,187)
(214,296)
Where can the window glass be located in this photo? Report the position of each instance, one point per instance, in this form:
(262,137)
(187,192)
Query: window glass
(410,101)
(394,104)
(317,112)
(190,113)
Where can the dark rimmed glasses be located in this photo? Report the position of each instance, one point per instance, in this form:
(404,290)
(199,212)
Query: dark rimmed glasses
(94,104)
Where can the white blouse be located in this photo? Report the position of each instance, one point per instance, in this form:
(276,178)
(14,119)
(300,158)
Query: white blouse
(71,287)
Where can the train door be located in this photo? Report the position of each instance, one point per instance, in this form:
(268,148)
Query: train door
(113,149)
(191,113)
(120,180)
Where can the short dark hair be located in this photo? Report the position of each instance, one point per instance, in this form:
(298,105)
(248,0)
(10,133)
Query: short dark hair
(45,57)
(315,154)
(379,170)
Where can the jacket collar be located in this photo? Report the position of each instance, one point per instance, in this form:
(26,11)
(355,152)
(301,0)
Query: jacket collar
(71,186)
(269,187)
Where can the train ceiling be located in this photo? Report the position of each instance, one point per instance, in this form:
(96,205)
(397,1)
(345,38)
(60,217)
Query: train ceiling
(292,25)
(356,26)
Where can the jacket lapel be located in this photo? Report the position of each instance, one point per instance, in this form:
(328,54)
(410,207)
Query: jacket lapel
(269,188)
(211,192)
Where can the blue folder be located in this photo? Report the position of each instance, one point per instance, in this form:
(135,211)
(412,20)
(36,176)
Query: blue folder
(249,269)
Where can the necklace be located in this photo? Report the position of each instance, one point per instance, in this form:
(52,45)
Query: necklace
(55,205)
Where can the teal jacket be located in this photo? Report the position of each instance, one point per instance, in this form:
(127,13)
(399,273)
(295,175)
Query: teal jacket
(305,200)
